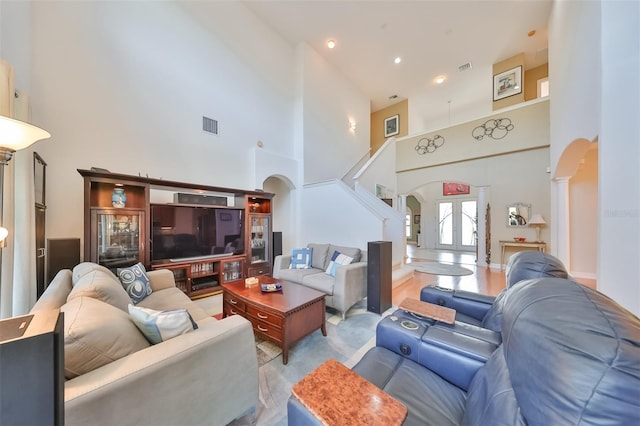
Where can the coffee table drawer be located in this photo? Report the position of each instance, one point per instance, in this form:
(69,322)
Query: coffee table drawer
(234,303)
(266,329)
(263,316)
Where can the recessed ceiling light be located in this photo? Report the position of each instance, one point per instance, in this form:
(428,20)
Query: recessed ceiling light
(532,33)
(392,97)
(331,44)
(397,60)
(440,79)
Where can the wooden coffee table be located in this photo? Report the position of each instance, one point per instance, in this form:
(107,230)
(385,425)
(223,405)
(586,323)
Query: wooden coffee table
(283,317)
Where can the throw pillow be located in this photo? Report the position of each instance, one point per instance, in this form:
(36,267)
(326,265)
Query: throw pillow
(96,334)
(158,326)
(134,279)
(301,258)
(337,260)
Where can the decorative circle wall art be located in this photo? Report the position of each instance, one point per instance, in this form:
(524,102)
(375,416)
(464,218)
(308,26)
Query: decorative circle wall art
(427,146)
(494,129)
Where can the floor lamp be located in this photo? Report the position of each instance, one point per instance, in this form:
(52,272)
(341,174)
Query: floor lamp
(14,136)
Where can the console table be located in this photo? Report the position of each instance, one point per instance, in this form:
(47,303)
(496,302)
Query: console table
(526,244)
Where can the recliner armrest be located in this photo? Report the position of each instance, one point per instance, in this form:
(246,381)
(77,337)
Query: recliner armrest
(472,304)
(454,356)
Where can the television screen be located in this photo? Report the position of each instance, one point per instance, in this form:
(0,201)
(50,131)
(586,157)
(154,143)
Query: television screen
(180,232)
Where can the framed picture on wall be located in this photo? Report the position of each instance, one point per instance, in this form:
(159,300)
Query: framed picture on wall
(416,219)
(391,126)
(507,83)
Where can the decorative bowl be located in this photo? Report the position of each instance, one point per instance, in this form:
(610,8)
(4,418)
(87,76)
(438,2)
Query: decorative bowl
(271,288)
(519,239)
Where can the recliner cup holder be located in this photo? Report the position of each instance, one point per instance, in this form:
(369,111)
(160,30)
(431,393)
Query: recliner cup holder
(409,325)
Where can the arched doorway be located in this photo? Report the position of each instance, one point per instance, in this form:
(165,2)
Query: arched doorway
(576,177)
(283,208)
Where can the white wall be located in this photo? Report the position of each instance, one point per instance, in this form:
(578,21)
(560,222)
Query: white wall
(124,86)
(619,158)
(379,169)
(509,178)
(331,214)
(329,102)
(594,68)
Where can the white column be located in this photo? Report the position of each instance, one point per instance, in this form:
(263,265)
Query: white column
(403,211)
(482,226)
(562,220)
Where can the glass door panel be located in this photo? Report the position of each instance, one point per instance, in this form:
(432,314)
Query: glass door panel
(118,238)
(232,271)
(259,242)
(445,224)
(469,225)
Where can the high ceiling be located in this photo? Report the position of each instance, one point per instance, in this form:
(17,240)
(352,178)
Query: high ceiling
(432,37)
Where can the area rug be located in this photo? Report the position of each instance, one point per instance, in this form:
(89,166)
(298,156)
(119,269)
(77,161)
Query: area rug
(436,268)
(266,350)
(346,341)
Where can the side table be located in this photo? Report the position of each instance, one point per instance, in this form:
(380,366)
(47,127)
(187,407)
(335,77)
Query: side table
(354,400)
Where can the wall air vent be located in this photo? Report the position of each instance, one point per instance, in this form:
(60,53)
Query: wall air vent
(464,67)
(210,125)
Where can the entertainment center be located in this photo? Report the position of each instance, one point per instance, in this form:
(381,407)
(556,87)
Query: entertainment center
(206,235)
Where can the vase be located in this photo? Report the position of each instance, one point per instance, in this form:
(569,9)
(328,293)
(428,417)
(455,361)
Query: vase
(119,198)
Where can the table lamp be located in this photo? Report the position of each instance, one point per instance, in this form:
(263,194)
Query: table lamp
(538,222)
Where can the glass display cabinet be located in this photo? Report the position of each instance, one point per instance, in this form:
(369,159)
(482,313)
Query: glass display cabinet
(118,239)
(258,238)
(232,270)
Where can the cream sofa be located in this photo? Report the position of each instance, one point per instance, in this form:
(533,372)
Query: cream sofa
(342,291)
(115,377)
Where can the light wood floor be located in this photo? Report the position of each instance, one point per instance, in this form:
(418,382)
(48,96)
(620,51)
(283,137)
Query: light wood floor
(483,280)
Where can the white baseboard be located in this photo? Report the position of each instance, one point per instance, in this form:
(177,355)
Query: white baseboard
(496,266)
(584,275)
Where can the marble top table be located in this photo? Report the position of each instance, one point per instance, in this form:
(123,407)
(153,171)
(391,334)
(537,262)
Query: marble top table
(353,400)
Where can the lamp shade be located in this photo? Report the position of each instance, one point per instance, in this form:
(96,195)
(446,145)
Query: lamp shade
(16,135)
(537,219)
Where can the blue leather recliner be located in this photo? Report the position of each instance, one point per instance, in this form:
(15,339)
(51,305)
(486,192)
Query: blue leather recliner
(484,311)
(569,355)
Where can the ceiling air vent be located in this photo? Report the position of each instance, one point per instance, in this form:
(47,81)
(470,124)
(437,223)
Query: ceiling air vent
(464,67)
(210,125)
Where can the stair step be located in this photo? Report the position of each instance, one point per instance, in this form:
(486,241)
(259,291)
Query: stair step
(400,275)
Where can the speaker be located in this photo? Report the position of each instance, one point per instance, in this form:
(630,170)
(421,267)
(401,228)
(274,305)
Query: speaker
(62,253)
(378,276)
(199,199)
(277,244)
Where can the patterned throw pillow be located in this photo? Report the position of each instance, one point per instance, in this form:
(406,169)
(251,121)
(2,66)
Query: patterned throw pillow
(135,281)
(158,326)
(337,260)
(301,258)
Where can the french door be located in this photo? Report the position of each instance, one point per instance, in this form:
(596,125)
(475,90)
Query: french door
(457,225)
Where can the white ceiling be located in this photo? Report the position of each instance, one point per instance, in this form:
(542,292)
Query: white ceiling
(432,37)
